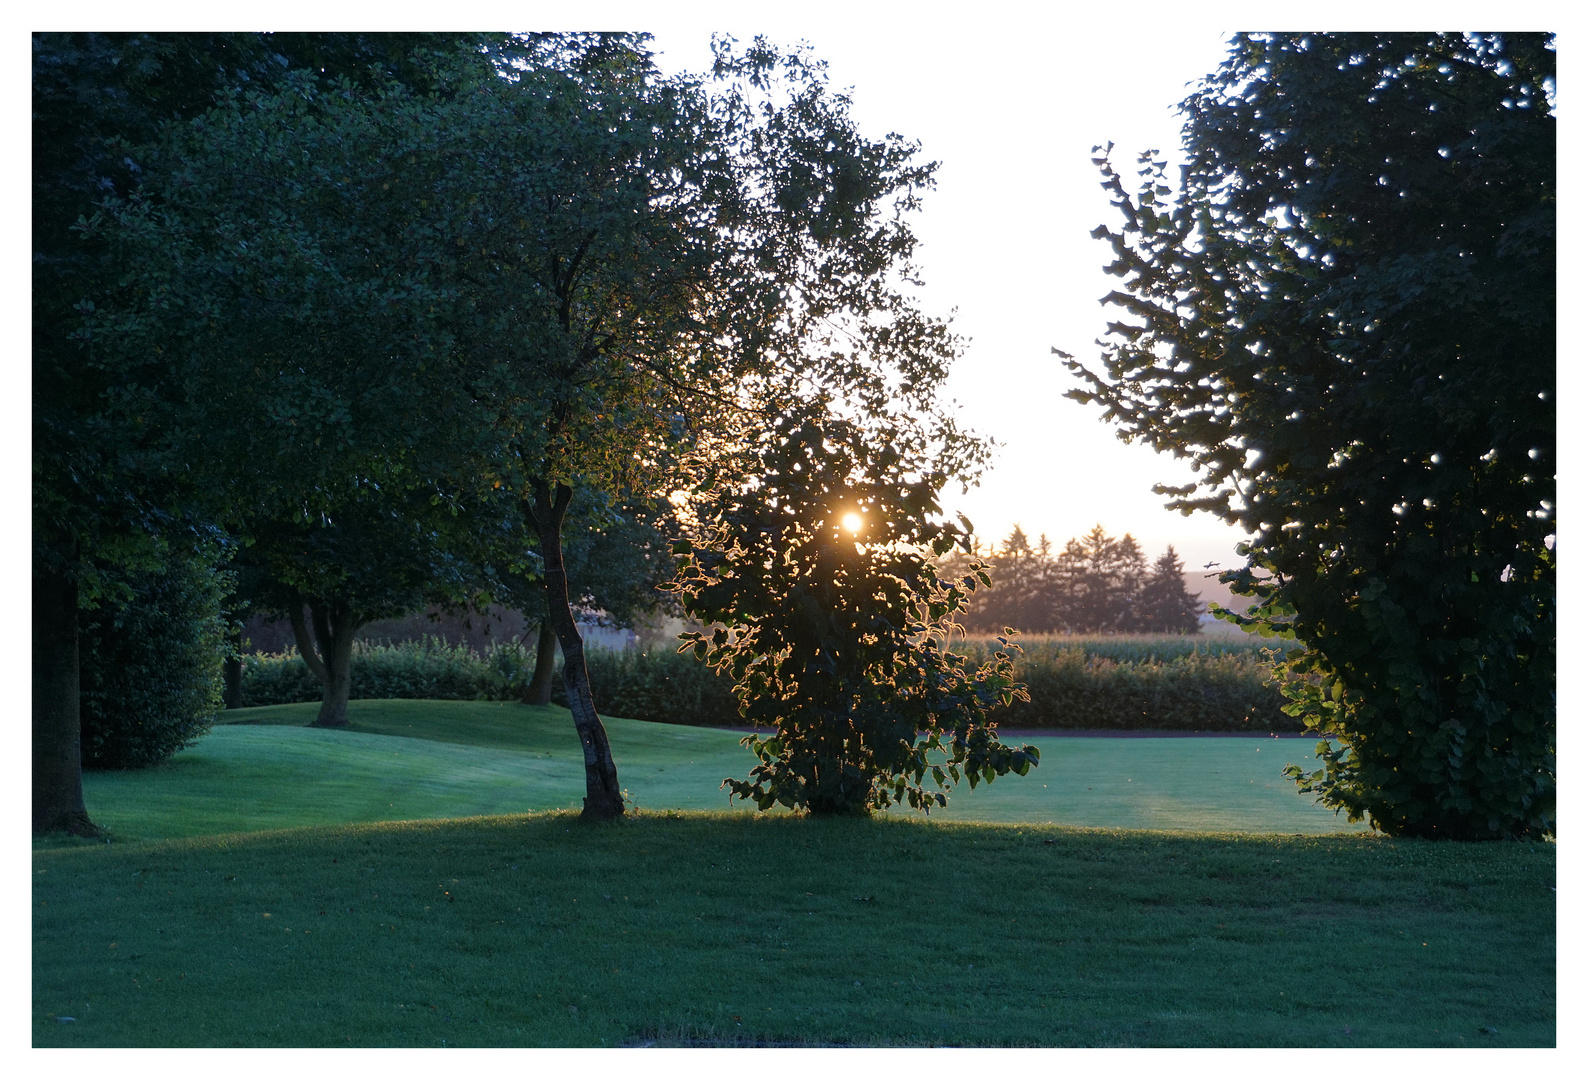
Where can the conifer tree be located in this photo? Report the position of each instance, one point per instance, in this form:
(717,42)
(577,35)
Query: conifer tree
(1165,605)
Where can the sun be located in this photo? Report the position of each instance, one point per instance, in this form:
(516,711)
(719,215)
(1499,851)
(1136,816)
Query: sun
(854,522)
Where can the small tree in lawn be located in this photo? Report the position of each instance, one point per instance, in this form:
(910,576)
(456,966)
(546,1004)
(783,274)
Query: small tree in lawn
(834,623)
(380,554)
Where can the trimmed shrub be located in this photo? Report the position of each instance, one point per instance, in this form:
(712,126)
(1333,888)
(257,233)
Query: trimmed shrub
(151,665)
(1122,683)
(660,685)
(1164,684)
(430,668)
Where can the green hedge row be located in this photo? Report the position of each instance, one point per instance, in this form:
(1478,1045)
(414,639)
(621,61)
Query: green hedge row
(418,669)
(1175,684)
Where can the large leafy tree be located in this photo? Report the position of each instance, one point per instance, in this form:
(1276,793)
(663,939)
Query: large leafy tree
(742,251)
(1343,313)
(114,491)
(546,271)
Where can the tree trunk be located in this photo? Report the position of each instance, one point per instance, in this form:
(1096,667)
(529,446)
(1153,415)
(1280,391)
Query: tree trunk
(57,720)
(603,799)
(545,665)
(233,672)
(329,654)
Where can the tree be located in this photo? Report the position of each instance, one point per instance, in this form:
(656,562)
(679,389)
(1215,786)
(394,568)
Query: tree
(1017,598)
(1343,314)
(101,503)
(1098,579)
(737,254)
(833,622)
(381,554)
(547,271)
(1164,605)
(618,559)
(1097,585)
(110,488)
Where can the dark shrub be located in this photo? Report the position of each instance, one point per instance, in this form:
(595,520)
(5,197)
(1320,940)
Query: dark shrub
(430,668)
(661,685)
(151,665)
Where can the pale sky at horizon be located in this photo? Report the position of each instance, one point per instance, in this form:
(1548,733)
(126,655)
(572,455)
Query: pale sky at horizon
(1005,240)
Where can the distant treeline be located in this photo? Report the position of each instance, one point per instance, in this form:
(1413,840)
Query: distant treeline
(1096,585)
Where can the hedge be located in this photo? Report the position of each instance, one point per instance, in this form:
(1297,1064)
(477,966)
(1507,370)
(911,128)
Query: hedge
(430,668)
(1105,683)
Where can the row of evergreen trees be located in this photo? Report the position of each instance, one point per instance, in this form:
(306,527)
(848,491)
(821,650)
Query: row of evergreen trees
(1096,585)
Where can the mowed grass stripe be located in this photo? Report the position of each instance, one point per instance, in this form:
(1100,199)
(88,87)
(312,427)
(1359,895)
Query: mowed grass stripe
(429,759)
(734,929)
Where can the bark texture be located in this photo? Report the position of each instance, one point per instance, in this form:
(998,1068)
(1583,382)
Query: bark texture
(233,673)
(545,665)
(603,798)
(328,651)
(57,720)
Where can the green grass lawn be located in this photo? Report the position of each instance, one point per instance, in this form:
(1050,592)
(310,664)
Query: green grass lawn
(428,759)
(691,927)
(731,929)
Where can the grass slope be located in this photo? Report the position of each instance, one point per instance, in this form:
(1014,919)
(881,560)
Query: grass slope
(428,759)
(702,929)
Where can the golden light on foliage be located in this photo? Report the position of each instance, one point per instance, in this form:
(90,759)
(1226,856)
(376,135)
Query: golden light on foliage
(854,522)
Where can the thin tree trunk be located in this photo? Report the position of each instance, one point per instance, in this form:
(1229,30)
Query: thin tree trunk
(57,719)
(329,654)
(603,799)
(233,672)
(545,665)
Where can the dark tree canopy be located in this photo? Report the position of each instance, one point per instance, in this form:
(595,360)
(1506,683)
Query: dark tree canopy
(533,270)
(380,553)
(113,493)
(1342,312)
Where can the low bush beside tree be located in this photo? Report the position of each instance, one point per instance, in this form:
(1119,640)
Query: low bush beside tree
(151,663)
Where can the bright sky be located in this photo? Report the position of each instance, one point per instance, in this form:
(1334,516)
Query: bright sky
(1012,117)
